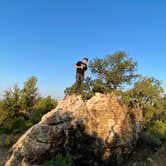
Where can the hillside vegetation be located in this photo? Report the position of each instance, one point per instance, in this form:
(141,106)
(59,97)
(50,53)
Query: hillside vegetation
(21,108)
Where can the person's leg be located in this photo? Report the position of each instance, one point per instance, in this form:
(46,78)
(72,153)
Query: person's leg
(78,83)
(81,83)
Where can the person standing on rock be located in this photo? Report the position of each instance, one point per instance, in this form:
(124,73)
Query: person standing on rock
(81,72)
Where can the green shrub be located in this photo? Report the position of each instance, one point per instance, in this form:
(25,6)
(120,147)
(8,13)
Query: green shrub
(35,117)
(45,104)
(153,141)
(158,130)
(10,140)
(15,125)
(3,130)
(28,124)
(3,116)
(148,115)
(87,96)
(60,160)
(19,123)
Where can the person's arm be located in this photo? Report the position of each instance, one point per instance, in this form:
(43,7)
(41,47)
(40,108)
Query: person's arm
(78,67)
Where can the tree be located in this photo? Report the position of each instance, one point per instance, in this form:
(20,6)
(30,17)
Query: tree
(11,102)
(29,94)
(148,91)
(18,100)
(97,85)
(114,70)
(23,107)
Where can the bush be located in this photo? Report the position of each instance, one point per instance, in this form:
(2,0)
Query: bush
(3,116)
(35,117)
(148,115)
(60,160)
(10,140)
(158,129)
(28,124)
(45,104)
(21,122)
(15,125)
(87,96)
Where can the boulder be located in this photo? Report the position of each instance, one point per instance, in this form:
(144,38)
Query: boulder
(100,131)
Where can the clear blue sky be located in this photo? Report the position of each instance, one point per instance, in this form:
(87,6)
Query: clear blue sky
(46,37)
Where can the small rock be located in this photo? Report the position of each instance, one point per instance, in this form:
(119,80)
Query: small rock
(150,160)
(134,164)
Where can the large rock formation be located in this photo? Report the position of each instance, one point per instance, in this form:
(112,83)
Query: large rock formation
(99,131)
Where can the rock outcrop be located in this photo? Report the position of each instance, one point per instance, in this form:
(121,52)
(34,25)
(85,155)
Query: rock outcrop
(99,131)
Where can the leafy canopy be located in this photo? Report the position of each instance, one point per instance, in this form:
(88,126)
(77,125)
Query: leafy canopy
(114,70)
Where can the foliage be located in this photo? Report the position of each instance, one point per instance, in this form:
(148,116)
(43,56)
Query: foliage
(4,116)
(60,160)
(22,108)
(10,140)
(43,106)
(70,90)
(29,94)
(114,70)
(10,104)
(98,86)
(19,102)
(158,129)
(148,91)
(148,94)
(87,92)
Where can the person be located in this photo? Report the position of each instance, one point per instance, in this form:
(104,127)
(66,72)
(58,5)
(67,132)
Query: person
(81,72)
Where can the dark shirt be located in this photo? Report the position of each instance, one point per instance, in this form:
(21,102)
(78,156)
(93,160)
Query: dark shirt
(81,71)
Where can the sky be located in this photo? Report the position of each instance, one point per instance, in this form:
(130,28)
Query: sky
(45,38)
